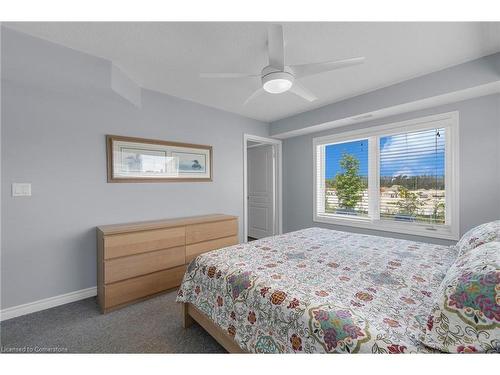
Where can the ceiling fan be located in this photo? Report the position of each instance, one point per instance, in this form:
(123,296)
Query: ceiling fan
(277,77)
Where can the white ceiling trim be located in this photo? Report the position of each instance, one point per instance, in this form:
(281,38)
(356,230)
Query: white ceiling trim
(434,101)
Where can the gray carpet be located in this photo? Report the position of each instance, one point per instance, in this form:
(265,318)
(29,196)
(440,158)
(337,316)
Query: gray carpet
(152,326)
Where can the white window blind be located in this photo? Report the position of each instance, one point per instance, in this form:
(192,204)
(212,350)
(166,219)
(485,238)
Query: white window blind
(320,178)
(412,176)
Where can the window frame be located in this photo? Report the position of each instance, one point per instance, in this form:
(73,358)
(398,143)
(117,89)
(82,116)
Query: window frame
(450,230)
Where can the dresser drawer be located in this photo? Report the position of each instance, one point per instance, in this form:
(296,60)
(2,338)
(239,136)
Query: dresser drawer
(136,265)
(209,231)
(192,251)
(139,287)
(119,245)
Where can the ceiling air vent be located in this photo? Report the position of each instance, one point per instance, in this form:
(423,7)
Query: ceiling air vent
(362,117)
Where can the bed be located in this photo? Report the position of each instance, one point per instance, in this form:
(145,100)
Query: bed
(316,291)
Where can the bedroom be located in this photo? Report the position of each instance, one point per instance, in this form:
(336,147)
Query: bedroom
(257,186)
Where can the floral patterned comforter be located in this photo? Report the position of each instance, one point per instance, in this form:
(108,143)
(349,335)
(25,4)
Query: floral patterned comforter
(320,291)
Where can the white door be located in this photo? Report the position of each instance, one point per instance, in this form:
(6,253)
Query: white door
(261,207)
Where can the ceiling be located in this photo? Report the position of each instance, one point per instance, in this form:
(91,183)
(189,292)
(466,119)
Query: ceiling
(168,56)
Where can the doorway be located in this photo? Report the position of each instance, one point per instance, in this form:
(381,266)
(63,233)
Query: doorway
(262,187)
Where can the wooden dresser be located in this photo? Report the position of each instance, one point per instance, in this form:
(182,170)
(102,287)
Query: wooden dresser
(139,260)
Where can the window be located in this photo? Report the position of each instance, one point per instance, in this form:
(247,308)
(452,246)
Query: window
(412,186)
(346,178)
(398,177)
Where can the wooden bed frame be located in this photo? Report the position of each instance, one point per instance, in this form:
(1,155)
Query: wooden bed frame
(191,314)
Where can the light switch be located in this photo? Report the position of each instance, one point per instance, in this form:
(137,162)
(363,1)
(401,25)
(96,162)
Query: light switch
(21,189)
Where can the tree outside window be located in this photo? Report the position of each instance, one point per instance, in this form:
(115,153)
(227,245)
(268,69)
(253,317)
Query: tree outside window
(349,184)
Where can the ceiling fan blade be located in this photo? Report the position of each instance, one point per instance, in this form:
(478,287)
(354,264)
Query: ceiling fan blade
(301,91)
(228,75)
(256,93)
(276,47)
(305,70)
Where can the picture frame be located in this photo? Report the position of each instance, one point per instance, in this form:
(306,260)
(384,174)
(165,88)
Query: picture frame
(131,159)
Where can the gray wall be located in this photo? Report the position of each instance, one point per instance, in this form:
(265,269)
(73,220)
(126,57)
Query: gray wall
(56,109)
(479,168)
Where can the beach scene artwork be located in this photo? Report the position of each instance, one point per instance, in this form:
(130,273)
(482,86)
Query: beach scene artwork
(143,161)
(140,160)
(191,162)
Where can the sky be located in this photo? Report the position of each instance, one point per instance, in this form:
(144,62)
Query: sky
(333,154)
(411,154)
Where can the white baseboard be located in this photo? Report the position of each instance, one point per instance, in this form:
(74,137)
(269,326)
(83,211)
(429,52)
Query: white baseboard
(46,303)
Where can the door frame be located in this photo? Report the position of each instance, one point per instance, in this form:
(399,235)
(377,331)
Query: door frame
(278,181)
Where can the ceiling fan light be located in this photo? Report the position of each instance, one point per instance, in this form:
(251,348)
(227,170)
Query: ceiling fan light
(277,86)
(276,83)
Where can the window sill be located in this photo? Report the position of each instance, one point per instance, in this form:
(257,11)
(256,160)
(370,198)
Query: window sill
(445,232)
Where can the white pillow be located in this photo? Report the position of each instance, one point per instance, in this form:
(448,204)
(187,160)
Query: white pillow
(478,236)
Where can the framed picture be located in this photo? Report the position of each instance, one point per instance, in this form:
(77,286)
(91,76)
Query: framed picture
(148,160)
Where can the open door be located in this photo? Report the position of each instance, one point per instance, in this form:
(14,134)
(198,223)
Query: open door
(261,191)
(262,187)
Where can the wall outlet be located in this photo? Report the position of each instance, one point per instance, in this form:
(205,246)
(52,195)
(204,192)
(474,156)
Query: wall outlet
(21,189)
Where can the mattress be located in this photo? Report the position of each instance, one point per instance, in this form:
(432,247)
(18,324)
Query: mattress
(319,291)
